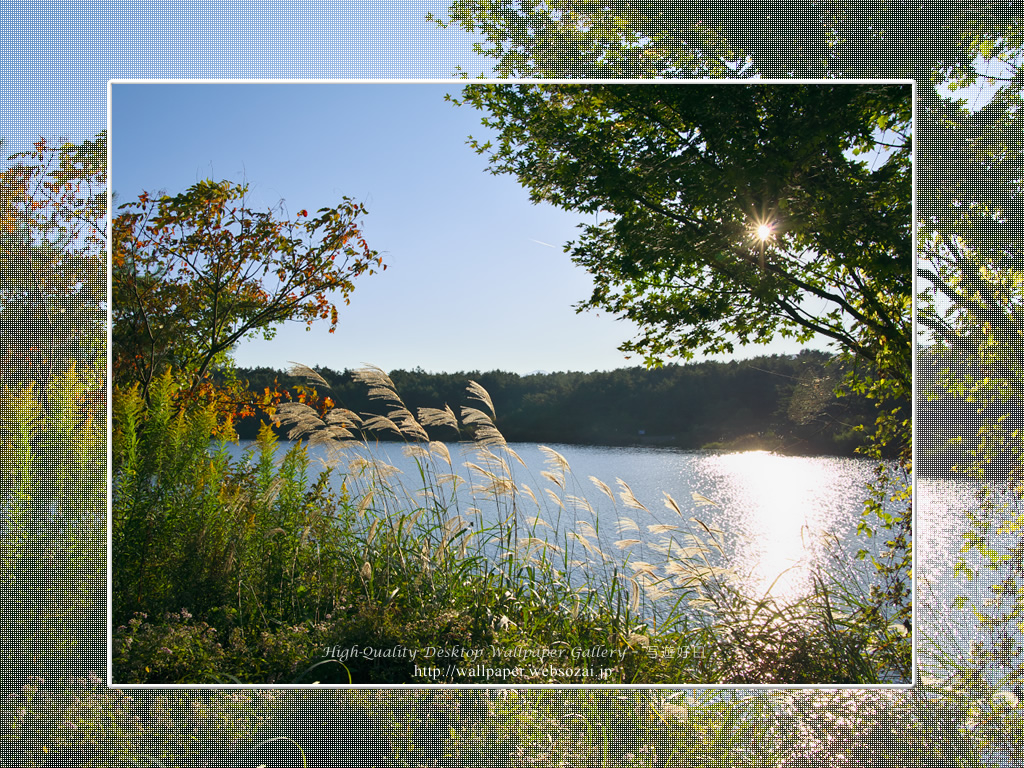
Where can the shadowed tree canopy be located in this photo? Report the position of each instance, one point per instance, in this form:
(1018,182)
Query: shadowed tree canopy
(968,158)
(743,38)
(727,213)
(195,273)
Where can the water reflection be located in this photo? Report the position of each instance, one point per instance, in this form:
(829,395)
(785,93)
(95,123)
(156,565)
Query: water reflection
(774,510)
(773,506)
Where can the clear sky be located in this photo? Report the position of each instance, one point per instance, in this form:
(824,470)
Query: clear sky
(477,278)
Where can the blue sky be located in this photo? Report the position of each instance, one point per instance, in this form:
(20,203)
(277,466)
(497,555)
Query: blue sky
(56,59)
(477,278)
(56,63)
(469,284)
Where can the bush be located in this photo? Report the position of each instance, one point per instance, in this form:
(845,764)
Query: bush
(173,650)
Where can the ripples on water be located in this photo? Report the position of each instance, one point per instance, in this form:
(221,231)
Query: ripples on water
(942,522)
(782,510)
(775,512)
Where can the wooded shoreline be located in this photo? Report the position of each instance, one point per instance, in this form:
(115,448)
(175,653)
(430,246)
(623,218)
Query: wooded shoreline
(784,403)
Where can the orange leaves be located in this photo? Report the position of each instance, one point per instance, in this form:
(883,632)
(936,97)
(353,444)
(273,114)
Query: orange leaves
(13,194)
(226,270)
(268,400)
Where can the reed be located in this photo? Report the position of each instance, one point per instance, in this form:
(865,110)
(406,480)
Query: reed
(488,556)
(964,710)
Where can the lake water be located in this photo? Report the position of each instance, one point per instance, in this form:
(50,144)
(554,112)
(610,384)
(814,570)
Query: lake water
(777,515)
(942,523)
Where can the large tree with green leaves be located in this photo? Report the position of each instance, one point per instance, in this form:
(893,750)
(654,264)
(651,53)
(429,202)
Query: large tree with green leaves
(967,158)
(967,61)
(195,273)
(728,214)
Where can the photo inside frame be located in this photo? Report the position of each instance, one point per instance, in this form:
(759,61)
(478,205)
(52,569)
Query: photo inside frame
(587,384)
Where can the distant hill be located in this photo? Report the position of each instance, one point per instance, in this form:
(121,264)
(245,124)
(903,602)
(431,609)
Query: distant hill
(779,402)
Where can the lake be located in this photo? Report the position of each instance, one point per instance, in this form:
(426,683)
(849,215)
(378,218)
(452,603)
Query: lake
(942,523)
(777,515)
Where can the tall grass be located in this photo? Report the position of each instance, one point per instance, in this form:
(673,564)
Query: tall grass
(963,712)
(248,569)
(51,517)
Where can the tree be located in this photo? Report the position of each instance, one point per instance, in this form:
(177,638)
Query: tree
(970,306)
(195,273)
(931,42)
(967,159)
(728,214)
(52,232)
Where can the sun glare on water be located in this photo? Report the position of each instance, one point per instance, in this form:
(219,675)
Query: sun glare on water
(778,514)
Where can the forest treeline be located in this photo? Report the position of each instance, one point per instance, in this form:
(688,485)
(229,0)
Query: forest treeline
(786,403)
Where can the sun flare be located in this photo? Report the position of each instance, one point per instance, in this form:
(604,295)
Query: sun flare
(764,231)
(782,510)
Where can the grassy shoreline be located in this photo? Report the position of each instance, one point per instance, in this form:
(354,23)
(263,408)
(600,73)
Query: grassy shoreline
(250,570)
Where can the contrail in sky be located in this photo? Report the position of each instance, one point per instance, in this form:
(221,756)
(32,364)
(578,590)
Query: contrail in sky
(541,242)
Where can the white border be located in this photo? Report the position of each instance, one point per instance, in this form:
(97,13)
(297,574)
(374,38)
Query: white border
(459,83)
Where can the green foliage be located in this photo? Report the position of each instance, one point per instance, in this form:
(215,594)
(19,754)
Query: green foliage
(782,403)
(974,661)
(196,273)
(683,177)
(279,567)
(629,38)
(171,652)
(165,488)
(82,722)
(887,610)
(235,542)
(52,500)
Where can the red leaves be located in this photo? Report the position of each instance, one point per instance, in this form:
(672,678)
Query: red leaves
(56,250)
(211,259)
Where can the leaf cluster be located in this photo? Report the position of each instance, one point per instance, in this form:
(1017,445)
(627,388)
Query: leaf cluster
(938,41)
(52,259)
(196,273)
